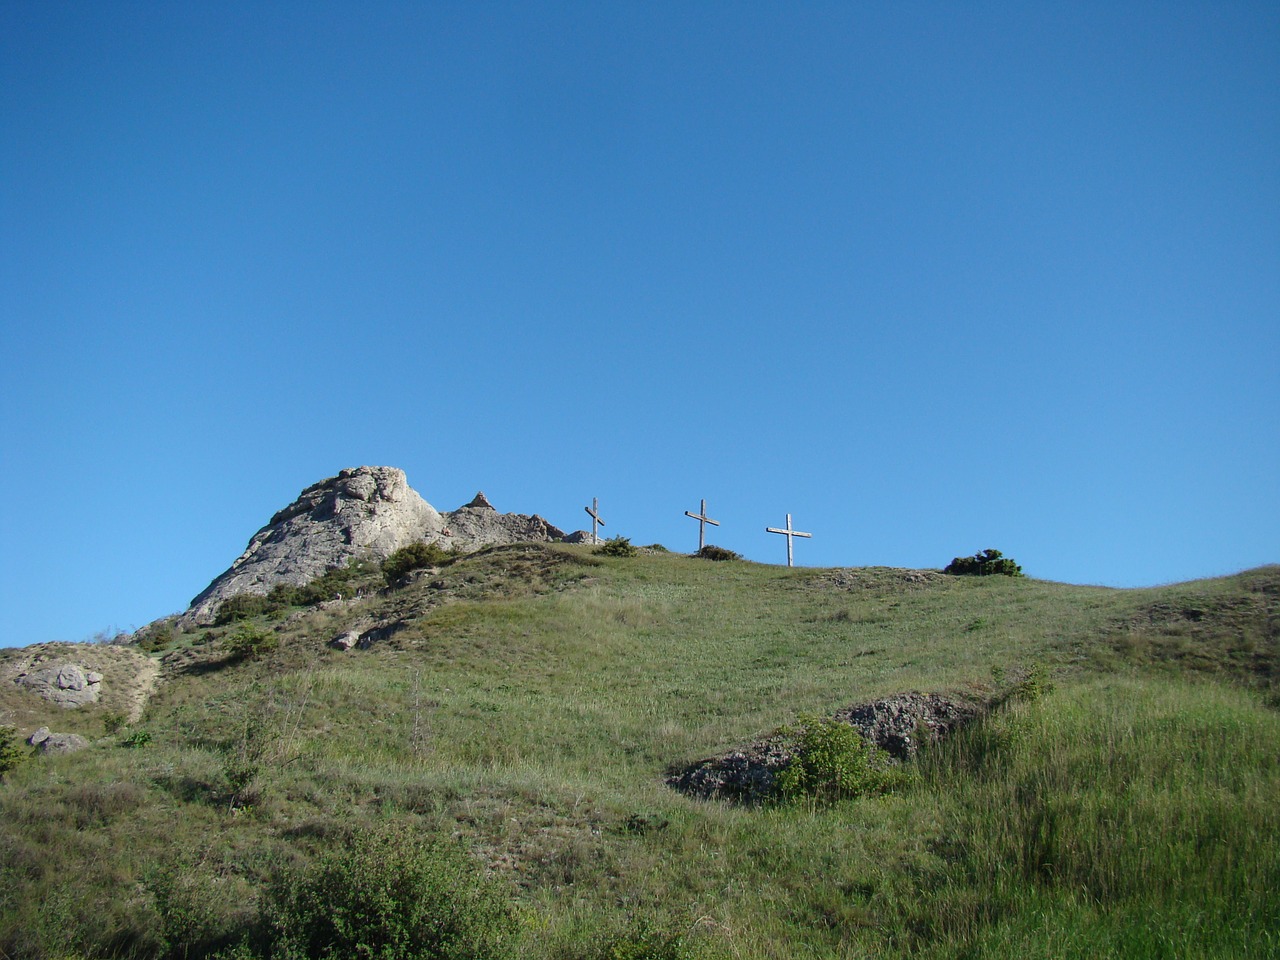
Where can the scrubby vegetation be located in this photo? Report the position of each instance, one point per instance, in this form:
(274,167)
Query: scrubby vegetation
(12,750)
(712,552)
(416,556)
(617,547)
(503,755)
(984,564)
(387,896)
(355,577)
(250,642)
(833,761)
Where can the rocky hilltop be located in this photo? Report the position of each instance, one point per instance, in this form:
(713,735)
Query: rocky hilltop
(362,512)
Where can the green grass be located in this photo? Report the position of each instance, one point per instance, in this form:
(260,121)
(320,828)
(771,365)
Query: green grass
(537,696)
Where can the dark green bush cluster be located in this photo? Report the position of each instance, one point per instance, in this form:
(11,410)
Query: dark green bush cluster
(250,643)
(335,582)
(388,896)
(832,761)
(243,606)
(415,556)
(984,564)
(712,552)
(616,547)
(155,638)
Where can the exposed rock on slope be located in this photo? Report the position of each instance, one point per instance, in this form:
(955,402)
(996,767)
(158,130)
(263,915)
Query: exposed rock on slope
(39,682)
(894,724)
(479,524)
(362,512)
(61,682)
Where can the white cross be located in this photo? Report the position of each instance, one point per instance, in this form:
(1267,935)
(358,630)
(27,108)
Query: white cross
(788,533)
(703,520)
(594,511)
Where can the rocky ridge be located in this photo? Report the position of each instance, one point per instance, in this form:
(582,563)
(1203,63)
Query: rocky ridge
(366,512)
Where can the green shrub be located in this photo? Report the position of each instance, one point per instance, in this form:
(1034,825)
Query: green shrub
(243,606)
(712,552)
(388,895)
(641,941)
(139,738)
(250,643)
(155,639)
(616,547)
(12,750)
(415,556)
(831,760)
(984,564)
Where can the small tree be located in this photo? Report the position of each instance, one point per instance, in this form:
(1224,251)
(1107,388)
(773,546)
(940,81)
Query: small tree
(984,564)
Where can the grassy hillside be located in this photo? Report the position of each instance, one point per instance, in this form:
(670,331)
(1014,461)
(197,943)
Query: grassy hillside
(534,697)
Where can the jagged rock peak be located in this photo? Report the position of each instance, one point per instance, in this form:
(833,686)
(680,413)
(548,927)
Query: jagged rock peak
(366,512)
(362,512)
(479,502)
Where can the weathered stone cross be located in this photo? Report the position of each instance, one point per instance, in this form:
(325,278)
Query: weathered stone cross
(703,520)
(594,511)
(788,533)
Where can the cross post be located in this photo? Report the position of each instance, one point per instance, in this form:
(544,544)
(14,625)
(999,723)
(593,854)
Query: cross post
(703,520)
(594,512)
(789,534)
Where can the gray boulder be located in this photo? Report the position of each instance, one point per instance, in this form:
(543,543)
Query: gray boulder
(345,641)
(62,743)
(66,684)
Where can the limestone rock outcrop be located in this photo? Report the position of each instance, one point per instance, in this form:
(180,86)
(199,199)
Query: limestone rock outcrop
(366,512)
(479,524)
(363,511)
(58,681)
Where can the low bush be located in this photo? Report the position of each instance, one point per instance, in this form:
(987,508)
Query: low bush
(154,639)
(388,895)
(243,606)
(415,556)
(833,761)
(616,547)
(250,643)
(12,750)
(712,552)
(984,564)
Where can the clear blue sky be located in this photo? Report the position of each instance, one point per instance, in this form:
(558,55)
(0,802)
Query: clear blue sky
(931,277)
